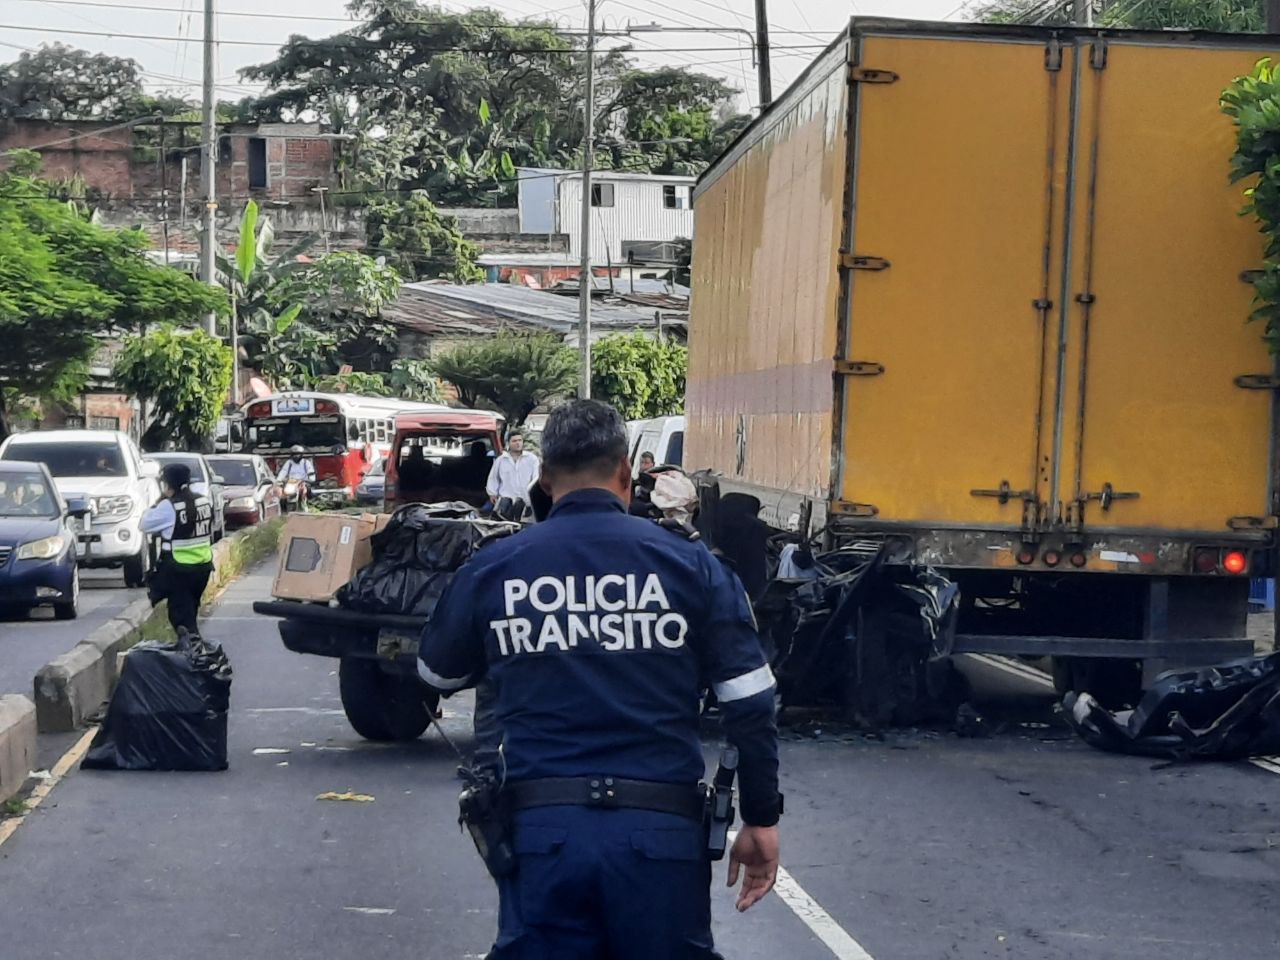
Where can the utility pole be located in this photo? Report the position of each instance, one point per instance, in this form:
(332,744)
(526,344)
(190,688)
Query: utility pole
(762,54)
(1082,12)
(584,238)
(208,157)
(1273,16)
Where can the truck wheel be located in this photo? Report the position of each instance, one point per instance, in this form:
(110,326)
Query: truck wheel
(381,705)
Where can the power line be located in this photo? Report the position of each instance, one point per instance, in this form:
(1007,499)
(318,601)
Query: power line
(308,40)
(256,15)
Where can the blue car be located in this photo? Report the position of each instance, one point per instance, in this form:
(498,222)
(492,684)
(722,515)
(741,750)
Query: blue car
(37,541)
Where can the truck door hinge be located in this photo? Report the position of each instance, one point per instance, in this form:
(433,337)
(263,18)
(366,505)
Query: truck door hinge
(1005,493)
(1258,381)
(1108,495)
(857,261)
(871,75)
(859,368)
(1098,54)
(1254,523)
(847,509)
(1053,55)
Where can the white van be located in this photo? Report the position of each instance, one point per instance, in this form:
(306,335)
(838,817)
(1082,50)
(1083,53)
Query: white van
(106,468)
(661,436)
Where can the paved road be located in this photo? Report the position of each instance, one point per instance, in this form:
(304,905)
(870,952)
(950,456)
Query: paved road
(28,644)
(1025,844)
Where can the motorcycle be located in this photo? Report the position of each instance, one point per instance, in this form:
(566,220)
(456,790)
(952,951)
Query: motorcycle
(294,496)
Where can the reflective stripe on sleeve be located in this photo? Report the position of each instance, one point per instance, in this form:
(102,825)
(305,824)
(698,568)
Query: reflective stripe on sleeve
(440,683)
(746,685)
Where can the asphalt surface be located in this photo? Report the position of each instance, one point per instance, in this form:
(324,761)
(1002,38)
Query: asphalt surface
(919,844)
(29,642)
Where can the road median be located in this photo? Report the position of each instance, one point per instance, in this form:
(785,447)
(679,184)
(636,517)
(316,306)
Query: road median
(17,743)
(74,687)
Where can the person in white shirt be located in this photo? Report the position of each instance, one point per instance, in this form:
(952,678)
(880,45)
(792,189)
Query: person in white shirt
(512,475)
(298,467)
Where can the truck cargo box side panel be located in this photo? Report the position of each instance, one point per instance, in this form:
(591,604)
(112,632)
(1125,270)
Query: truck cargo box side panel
(1167,332)
(765,290)
(953,189)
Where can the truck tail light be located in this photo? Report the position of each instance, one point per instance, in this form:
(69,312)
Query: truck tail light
(1078,559)
(1205,561)
(1052,558)
(1235,562)
(1026,556)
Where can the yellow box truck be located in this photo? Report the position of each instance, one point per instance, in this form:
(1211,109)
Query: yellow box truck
(974,294)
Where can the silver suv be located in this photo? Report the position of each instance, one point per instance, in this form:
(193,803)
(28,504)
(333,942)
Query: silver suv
(106,468)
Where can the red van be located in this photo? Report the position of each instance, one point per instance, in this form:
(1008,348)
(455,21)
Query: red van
(439,456)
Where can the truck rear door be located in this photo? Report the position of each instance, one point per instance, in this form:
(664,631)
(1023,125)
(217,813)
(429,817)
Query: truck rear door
(1156,433)
(959,164)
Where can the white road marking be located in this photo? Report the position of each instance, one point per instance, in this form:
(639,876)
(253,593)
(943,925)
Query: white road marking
(1269,764)
(1015,668)
(811,914)
(371,911)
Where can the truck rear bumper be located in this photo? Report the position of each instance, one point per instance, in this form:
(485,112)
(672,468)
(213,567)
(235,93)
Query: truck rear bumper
(1197,650)
(332,632)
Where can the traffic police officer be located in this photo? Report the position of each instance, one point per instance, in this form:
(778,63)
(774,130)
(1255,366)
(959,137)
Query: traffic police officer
(184,521)
(598,632)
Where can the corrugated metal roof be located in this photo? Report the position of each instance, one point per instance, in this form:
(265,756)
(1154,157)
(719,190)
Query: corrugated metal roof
(599,175)
(482,308)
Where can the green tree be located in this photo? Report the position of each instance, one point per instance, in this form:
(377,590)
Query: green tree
(474,87)
(58,82)
(1253,103)
(418,241)
(1226,16)
(301,319)
(183,375)
(642,377)
(412,379)
(516,372)
(65,280)
(362,384)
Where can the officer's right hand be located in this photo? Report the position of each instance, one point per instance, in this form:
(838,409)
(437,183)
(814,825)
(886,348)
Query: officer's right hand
(756,849)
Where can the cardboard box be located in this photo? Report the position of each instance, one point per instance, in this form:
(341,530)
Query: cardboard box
(319,552)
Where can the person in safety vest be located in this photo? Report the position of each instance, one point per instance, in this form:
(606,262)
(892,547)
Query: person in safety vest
(184,522)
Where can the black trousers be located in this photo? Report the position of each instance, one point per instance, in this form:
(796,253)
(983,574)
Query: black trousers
(509,509)
(182,586)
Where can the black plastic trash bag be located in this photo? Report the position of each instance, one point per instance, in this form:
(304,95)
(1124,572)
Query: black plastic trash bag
(169,711)
(867,634)
(415,556)
(1229,711)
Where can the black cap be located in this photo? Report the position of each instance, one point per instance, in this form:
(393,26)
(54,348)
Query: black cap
(176,475)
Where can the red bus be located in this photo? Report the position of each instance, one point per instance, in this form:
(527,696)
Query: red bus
(344,435)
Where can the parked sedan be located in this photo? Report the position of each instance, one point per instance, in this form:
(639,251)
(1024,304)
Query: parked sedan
(251,493)
(372,485)
(204,480)
(37,541)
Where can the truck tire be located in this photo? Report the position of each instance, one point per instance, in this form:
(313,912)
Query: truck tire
(380,705)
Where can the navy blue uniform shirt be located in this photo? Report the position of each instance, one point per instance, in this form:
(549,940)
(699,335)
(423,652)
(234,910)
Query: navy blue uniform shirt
(599,631)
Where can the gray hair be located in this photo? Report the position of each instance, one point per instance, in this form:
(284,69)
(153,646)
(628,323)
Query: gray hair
(583,436)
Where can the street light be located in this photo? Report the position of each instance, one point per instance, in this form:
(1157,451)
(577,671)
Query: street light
(759,46)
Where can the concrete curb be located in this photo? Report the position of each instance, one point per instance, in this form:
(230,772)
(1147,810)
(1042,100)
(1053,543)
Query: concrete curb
(17,743)
(75,686)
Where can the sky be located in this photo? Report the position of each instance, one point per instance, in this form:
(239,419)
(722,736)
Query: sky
(167,36)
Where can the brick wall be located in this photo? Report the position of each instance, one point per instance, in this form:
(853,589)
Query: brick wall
(107,161)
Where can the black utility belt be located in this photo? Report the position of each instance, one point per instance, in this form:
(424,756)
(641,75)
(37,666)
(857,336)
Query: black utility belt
(608,793)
